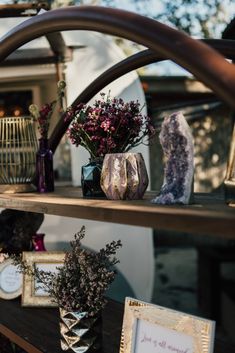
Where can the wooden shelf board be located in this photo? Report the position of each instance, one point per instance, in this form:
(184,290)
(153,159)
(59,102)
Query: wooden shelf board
(27,326)
(37,329)
(207,215)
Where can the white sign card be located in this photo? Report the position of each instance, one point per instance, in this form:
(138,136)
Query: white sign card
(154,329)
(157,339)
(10,280)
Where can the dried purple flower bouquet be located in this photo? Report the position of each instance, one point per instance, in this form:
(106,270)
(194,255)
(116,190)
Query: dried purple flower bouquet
(109,126)
(43,116)
(80,284)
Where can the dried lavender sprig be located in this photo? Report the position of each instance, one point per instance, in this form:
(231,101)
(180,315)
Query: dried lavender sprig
(80,284)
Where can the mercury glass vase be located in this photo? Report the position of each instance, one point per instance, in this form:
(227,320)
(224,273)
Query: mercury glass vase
(80,333)
(124,176)
(90,178)
(44,167)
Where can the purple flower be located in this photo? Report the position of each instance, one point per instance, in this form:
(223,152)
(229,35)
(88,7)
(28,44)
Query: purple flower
(43,116)
(108,126)
(81,283)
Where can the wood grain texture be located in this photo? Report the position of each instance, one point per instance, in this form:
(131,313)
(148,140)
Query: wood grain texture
(39,328)
(207,215)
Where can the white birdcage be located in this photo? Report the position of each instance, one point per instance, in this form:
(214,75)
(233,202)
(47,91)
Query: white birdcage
(18,147)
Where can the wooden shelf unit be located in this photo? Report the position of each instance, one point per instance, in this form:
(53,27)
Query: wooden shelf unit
(208,214)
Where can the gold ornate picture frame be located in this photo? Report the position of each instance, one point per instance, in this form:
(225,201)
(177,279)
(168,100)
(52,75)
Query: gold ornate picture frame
(33,294)
(152,328)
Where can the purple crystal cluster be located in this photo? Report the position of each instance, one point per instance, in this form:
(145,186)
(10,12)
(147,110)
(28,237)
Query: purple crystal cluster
(177,144)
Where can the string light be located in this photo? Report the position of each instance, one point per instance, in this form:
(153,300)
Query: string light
(2,112)
(17,111)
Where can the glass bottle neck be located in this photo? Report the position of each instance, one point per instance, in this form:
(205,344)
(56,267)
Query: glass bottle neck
(43,143)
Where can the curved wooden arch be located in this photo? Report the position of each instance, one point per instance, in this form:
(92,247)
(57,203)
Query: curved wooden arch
(145,57)
(202,61)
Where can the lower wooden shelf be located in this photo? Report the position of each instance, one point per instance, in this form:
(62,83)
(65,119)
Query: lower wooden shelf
(36,330)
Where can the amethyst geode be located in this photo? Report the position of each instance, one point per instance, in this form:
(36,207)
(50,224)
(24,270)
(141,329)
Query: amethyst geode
(177,144)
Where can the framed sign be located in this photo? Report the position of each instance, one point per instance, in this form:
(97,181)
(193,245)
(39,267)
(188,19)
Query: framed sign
(10,280)
(33,293)
(155,329)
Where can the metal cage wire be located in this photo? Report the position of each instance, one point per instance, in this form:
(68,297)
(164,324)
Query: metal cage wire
(18,147)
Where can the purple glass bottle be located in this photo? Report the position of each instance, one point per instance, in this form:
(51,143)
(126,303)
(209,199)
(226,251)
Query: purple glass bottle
(44,167)
(38,242)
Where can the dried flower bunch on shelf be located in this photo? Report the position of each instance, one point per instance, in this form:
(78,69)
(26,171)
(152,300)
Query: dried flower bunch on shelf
(44,159)
(43,116)
(110,125)
(78,287)
(80,284)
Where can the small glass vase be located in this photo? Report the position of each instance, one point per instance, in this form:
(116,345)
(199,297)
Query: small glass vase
(44,167)
(38,242)
(90,178)
(80,333)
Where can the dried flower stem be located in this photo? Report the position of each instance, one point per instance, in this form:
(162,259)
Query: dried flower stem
(109,126)
(80,284)
(43,116)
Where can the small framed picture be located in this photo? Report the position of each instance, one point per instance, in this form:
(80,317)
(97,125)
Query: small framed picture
(10,279)
(33,293)
(152,328)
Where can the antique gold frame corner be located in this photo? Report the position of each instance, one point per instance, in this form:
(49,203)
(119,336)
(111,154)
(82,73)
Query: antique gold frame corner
(201,330)
(29,298)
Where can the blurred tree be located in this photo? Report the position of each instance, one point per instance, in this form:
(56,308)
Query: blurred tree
(205,19)
(201,18)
